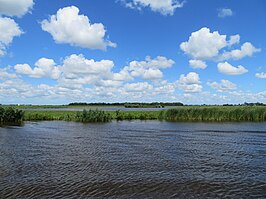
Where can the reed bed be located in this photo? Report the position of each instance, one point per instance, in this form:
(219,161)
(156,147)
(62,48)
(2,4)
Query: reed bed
(188,113)
(217,114)
(93,116)
(10,115)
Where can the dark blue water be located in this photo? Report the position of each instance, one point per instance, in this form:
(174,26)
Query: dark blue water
(133,160)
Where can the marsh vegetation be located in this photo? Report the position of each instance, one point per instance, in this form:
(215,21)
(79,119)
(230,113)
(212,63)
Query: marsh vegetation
(10,115)
(184,113)
(216,114)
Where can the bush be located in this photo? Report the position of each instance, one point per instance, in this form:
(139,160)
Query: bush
(93,116)
(10,115)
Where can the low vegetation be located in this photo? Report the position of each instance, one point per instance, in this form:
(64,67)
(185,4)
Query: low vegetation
(93,116)
(89,116)
(217,114)
(10,115)
(182,113)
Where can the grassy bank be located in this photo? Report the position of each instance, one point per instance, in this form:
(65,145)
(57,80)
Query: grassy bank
(216,114)
(87,116)
(195,113)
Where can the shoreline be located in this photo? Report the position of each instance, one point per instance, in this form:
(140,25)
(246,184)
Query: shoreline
(174,114)
(182,114)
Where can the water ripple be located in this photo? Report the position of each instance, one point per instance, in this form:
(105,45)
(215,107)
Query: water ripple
(133,160)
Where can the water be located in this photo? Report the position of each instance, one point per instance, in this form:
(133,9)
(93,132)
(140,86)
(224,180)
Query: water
(133,160)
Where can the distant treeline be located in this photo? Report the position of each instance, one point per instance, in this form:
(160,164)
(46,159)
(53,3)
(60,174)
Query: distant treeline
(10,115)
(130,104)
(246,104)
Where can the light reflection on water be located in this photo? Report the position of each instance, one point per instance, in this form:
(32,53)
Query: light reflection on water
(134,159)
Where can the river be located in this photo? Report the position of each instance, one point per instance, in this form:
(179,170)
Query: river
(133,159)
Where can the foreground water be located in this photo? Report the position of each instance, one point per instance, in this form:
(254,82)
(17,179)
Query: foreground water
(133,160)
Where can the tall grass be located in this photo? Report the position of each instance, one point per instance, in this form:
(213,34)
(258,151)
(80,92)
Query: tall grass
(10,115)
(93,116)
(217,114)
(189,113)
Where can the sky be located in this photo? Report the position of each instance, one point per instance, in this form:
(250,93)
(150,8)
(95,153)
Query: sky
(191,51)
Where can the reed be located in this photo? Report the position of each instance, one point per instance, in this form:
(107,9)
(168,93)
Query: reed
(185,113)
(93,116)
(10,115)
(217,114)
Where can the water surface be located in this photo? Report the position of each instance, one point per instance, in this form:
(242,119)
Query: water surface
(134,159)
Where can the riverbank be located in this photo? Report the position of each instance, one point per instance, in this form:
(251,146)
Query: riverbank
(193,113)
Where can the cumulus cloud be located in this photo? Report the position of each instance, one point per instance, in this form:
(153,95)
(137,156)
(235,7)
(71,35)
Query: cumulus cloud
(15,7)
(261,75)
(165,7)
(149,69)
(247,49)
(75,66)
(78,71)
(225,12)
(204,44)
(123,75)
(138,87)
(189,83)
(223,86)
(228,69)
(68,26)
(197,64)
(44,68)
(5,74)
(8,30)
(234,39)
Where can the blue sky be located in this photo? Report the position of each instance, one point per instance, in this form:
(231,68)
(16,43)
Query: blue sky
(195,52)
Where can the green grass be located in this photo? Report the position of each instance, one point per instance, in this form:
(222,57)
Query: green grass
(217,114)
(185,113)
(87,116)
(10,115)
(36,115)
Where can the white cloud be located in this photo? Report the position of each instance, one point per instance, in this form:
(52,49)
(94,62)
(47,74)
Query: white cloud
(225,12)
(5,74)
(8,30)
(234,39)
(67,26)
(228,69)
(123,75)
(44,68)
(15,7)
(165,7)
(197,64)
(261,75)
(76,66)
(247,49)
(138,87)
(189,83)
(204,44)
(223,86)
(150,68)
(78,71)
(153,74)
(190,78)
